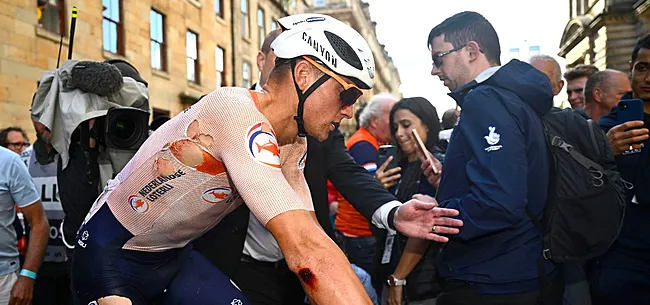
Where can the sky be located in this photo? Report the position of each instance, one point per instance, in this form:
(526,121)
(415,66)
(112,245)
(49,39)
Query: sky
(403,27)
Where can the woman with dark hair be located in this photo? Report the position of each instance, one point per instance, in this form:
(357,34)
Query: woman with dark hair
(406,180)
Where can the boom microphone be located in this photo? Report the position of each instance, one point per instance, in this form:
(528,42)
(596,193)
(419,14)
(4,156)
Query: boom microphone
(99,78)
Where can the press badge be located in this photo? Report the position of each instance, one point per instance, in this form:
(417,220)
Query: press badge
(385,259)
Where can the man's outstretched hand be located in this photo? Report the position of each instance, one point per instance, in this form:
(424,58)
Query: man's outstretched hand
(419,216)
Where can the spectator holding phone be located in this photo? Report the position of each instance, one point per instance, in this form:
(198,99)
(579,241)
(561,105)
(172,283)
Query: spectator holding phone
(405,181)
(622,274)
(352,228)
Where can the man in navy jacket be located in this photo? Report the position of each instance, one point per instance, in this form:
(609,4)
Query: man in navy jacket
(622,274)
(497,165)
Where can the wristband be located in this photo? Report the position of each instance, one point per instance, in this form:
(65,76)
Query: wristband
(391,218)
(29,274)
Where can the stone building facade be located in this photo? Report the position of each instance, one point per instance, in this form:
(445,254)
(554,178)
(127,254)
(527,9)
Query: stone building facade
(603,32)
(182,48)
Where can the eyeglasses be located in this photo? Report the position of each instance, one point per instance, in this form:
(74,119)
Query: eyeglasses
(350,92)
(18,144)
(437,58)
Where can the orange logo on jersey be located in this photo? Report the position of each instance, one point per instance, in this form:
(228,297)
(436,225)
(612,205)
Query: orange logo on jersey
(216,194)
(192,152)
(138,204)
(262,145)
(270,147)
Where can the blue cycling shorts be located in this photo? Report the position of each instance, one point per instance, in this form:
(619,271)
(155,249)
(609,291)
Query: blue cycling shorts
(101,268)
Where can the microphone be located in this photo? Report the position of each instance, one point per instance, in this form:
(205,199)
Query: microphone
(99,78)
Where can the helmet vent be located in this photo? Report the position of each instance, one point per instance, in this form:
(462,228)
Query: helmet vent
(344,50)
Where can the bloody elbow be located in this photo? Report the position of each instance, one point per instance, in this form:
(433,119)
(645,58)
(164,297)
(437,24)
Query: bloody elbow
(307,277)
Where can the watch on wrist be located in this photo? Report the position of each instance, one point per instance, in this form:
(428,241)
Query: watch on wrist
(393,281)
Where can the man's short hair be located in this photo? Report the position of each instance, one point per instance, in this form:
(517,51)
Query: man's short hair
(464,27)
(600,79)
(282,68)
(580,71)
(546,58)
(270,37)
(449,118)
(643,43)
(4,133)
(374,108)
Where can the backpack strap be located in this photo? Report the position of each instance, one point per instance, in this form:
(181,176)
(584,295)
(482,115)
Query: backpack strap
(578,157)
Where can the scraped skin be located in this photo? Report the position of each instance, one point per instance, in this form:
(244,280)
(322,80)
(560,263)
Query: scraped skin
(324,271)
(114,300)
(192,152)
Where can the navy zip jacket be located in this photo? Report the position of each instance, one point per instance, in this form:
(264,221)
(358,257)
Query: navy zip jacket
(496,165)
(632,248)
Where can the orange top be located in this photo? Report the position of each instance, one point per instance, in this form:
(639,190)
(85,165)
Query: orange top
(348,220)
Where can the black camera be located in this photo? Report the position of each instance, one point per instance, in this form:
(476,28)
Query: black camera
(126,128)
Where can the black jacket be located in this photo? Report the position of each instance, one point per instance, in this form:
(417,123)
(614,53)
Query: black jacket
(223,245)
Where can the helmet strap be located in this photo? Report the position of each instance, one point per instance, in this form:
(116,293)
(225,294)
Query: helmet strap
(302,97)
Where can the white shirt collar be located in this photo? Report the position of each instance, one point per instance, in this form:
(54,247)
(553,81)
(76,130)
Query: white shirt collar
(487,73)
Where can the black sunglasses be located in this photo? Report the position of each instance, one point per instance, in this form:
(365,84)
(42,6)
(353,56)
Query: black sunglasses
(437,58)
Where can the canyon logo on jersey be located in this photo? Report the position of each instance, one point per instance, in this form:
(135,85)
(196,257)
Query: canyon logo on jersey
(215,195)
(262,145)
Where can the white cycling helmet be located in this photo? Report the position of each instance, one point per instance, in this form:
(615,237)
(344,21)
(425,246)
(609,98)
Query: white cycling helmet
(341,48)
(333,44)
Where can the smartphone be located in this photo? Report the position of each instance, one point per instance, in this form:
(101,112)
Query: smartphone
(630,110)
(386,151)
(418,142)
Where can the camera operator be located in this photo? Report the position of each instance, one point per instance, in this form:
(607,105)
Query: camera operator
(97,114)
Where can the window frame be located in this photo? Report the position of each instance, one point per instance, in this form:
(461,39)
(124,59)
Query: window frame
(219,11)
(119,29)
(196,61)
(162,44)
(60,8)
(261,27)
(274,24)
(246,79)
(221,75)
(245,18)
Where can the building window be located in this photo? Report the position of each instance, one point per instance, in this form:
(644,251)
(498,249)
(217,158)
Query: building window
(274,25)
(192,52)
(319,2)
(220,59)
(533,51)
(218,8)
(246,75)
(51,15)
(244,18)
(112,26)
(514,53)
(157,36)
(260,26)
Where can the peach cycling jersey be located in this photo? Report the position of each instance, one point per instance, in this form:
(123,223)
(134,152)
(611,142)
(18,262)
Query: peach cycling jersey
(200,166)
